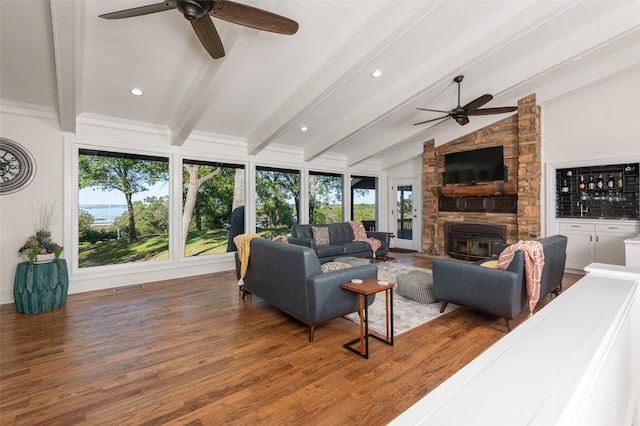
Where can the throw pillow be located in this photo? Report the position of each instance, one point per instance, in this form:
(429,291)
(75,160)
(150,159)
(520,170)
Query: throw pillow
(334,266)
(320,235)
(489,263)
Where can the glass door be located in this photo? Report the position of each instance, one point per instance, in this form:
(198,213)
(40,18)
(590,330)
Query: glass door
(405,214)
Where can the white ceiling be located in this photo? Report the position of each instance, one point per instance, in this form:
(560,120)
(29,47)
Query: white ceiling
(59,55)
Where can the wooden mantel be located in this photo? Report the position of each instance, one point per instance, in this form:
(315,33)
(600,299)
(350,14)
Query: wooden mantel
(482,190)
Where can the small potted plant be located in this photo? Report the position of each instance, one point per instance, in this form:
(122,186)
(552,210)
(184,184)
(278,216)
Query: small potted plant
(40,247)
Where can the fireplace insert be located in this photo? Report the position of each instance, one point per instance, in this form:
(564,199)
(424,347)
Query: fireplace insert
(473,241)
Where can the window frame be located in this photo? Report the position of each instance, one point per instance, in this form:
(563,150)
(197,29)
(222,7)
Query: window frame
(177,266)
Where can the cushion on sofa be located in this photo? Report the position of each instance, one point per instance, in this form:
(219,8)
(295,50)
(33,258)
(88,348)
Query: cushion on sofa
(329,251)
(340,233)
(320,235)
(334,266)
(356,247)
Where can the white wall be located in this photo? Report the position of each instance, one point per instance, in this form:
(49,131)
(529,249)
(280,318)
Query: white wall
(575,362)
(42,137)
(600,121)
(39,132)
(597,125)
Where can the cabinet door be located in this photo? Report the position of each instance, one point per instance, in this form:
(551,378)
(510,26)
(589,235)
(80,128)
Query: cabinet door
(610,242)
(580,248)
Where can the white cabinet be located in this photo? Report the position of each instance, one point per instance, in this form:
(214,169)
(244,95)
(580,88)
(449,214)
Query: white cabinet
(596,241)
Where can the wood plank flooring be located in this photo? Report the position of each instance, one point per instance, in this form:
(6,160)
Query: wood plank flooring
(191,352)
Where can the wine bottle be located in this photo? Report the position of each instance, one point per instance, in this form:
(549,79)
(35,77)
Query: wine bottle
(610,181)
(620,184)
(582,185)
(565,186)
(600,183)
(591,184)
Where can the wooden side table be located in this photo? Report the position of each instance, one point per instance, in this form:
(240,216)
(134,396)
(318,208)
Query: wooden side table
(40,287)
(368,287)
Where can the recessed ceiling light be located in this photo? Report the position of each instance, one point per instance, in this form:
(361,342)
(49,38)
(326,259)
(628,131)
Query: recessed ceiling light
(136,92)
(304,128)
(376,74)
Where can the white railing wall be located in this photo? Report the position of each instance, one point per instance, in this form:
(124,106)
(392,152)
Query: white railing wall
(575,362)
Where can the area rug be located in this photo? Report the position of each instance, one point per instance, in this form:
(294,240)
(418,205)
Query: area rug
(407,313)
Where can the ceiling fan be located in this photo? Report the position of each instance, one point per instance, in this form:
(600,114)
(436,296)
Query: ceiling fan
(198,11)
(461,113)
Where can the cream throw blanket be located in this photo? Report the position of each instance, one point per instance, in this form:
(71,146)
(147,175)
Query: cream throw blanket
(533,265)
(360,234)
(243,244)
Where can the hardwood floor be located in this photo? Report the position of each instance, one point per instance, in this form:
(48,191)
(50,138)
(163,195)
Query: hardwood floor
(190,351)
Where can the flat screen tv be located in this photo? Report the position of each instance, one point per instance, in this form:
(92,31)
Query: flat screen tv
(471,167)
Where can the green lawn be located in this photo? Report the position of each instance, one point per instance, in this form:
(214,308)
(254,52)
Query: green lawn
(155,247)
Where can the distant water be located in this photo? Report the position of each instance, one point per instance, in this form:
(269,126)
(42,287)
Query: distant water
(104,214)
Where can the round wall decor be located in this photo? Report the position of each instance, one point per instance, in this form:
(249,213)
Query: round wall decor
(17,166)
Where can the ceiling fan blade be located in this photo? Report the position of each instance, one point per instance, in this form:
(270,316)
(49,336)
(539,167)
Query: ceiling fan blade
(433,110)
(253,17)
(476,103)
(138,11)
(209,37)
(433,119)
(489,111)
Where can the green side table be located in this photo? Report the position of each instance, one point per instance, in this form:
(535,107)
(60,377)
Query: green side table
(40,288)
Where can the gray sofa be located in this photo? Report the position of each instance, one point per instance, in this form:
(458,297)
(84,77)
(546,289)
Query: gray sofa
(341,241)
(290,278)
(498,292)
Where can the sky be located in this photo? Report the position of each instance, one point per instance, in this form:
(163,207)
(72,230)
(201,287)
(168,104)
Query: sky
(161,189)
(91,196)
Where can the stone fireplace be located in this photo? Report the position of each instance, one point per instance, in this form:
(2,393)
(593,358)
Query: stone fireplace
(473,241)
(513,204)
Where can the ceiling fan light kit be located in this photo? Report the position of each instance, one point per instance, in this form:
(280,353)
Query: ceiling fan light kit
(192,9)
(198,11)
(461,113)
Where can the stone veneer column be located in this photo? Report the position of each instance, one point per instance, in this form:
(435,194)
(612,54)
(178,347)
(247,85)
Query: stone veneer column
(529,168)
(429,201)
(520,137)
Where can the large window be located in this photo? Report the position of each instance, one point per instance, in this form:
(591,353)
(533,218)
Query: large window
(129,213)
(277,200)
(325,197)
(213,206)
(364,193)
(123,208)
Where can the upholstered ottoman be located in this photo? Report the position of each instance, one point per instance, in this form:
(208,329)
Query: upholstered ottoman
(417,285)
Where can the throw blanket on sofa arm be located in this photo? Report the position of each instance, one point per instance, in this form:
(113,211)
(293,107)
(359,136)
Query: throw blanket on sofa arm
(243,244)
(533,265)
(360,234)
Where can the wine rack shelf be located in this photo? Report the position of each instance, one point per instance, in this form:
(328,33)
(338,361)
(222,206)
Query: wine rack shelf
(608,192)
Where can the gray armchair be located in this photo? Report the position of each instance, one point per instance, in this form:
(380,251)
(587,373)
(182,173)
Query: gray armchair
(498,292)
(290,278)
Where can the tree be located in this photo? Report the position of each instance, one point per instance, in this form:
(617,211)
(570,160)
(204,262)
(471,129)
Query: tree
(274,189)
(323,189)
(193,187)
(238,189)
(127,175)
(85,219)
(152,215)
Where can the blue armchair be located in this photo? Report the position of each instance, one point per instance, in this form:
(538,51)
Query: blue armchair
(498,292)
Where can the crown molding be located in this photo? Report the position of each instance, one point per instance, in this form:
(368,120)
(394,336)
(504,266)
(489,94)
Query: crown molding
(29,110)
